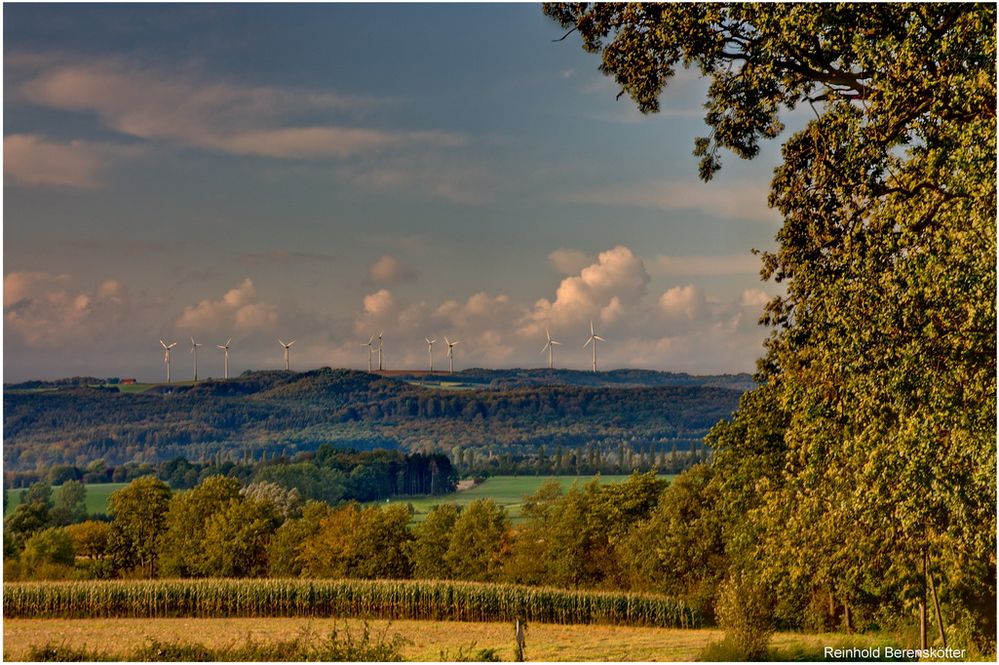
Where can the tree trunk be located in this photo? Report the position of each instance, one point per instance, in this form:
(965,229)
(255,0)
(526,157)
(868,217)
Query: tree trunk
(922,608)
(936,608)
(848,620)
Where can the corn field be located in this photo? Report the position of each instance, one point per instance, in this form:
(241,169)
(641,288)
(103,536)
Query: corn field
(384,599)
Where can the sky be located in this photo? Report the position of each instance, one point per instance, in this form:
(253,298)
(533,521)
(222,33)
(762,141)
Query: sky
(321,173)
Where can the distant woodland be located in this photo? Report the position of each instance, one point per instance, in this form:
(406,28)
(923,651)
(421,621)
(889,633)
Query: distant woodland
(515,421)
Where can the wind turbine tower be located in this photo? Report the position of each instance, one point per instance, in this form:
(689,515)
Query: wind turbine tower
(450,355)
(594,338)
(381,343)
(225,348)
(287,362)
(430,347)
(550,347)
(371,349)
(194,350)
(166,355)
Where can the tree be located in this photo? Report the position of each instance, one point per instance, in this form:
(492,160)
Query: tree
(355,542)
(430,543)
(182,549)
(47,554)
(236,538)
(91,539)
(284,552)
(882,353)
(479,541)
(139,511)
(71,504)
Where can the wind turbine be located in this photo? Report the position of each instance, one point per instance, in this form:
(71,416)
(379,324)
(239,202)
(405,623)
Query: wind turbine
(371,350)
(287,363)
(550,347)
(450,354)
(430,347)
(381,343)
(194,350)
(225,348)
(594,338)
(166,355)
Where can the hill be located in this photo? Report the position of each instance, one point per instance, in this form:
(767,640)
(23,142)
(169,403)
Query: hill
(281,412)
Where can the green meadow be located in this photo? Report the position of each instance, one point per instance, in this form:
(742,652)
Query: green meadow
(97,497)
(507,491)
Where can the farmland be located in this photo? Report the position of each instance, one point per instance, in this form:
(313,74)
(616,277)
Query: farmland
(97,497)
(389,599)
(506,491)
(425,640)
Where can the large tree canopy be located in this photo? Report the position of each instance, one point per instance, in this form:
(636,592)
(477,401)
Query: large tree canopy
(880,487)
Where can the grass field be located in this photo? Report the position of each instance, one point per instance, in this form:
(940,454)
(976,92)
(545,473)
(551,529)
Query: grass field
(427,640)
(97,497)
(507,491)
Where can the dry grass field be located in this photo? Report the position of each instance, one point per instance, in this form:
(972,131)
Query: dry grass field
(426,640)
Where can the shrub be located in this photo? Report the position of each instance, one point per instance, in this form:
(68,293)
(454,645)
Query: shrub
(744,612)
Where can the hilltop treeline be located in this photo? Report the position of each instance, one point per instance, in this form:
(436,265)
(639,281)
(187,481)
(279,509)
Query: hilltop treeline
(281,413)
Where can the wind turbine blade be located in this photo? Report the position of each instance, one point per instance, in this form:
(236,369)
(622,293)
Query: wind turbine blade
(591,327)
(588,342)
(446,341)
(163,344)
(453,343)
(281,343)
(220,346)
(291,342)
(543,349)
(556,343)
(370,340)
(172,345)
(599,337)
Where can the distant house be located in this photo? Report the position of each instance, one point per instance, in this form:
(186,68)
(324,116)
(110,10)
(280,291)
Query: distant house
(127,381)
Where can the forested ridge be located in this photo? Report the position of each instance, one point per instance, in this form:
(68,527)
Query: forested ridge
(281,413)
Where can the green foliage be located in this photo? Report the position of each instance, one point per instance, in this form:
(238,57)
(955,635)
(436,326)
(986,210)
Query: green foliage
(27,518)
(680,549)
(351,541)
(284,413)
(578,538)
(182,548)
(139,512)
(744,612)
(236,538)
(47,551)
(431,540)
(284,553)
(70,504)
(871,447)
(479,540)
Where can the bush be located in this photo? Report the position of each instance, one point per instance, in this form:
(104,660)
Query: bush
(744,612)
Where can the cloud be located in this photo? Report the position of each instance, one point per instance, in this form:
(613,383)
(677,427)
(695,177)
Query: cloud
(30,159)
(570,261)
(44,309)
(239,310)
(682,303)
(178,107)
(743,200)
(388,270)
(605,289)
